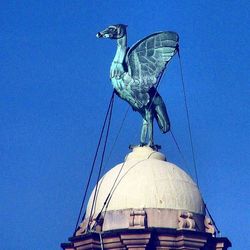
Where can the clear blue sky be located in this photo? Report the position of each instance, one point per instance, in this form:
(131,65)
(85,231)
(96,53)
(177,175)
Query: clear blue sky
(54,93)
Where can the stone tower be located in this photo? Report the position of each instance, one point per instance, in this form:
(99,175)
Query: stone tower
(146,202)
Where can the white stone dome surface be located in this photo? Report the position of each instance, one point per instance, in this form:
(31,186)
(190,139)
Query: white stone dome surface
(147,180)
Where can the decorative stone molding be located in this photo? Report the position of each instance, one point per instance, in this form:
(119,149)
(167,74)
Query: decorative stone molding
(138,219)
(88,243)
(183,240)
(141,218)
(82,228)
(149,238)
(138,241)
(186,221)
(209,227)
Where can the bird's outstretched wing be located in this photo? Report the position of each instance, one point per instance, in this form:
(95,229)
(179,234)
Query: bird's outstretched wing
(147,59)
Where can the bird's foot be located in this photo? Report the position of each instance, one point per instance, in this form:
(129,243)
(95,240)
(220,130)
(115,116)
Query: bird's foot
(142,144)
(154,146)
(151,144)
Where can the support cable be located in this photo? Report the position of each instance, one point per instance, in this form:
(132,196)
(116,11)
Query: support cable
(93,163)
(101,241)
(191,139)
(106,202)
(183,158)
(117,136)
(179,149)
(113,145)
(111,151)
(101,164)
(188,120)
(114,186)
(217,229)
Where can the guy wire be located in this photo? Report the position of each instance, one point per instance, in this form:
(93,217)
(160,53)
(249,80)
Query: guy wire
(188,119)
(102,158)
(93,163)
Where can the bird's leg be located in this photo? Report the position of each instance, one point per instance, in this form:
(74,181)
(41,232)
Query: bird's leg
(150,117)
(144,131)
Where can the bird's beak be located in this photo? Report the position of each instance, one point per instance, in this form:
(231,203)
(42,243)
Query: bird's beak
(103,34)
(99,35)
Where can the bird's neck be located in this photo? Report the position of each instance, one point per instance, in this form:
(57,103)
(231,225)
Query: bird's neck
(121,49)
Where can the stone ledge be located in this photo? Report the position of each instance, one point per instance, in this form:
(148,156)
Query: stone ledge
(151,238)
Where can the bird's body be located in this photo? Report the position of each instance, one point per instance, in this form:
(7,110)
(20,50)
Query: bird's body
(135,74)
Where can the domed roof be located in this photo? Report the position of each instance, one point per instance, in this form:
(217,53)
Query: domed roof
(146,180)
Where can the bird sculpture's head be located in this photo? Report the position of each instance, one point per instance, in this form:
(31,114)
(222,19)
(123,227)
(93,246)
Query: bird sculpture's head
(113,32)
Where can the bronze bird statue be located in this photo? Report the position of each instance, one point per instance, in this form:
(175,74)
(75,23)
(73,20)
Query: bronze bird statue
(135,74)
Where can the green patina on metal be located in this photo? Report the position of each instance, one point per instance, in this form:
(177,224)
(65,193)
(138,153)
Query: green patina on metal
(135,74)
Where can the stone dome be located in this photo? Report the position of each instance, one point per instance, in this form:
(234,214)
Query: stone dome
(146,203)
(146,180)
(145,191)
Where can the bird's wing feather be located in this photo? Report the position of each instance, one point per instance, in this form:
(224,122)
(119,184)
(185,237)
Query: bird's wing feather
(147,59)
